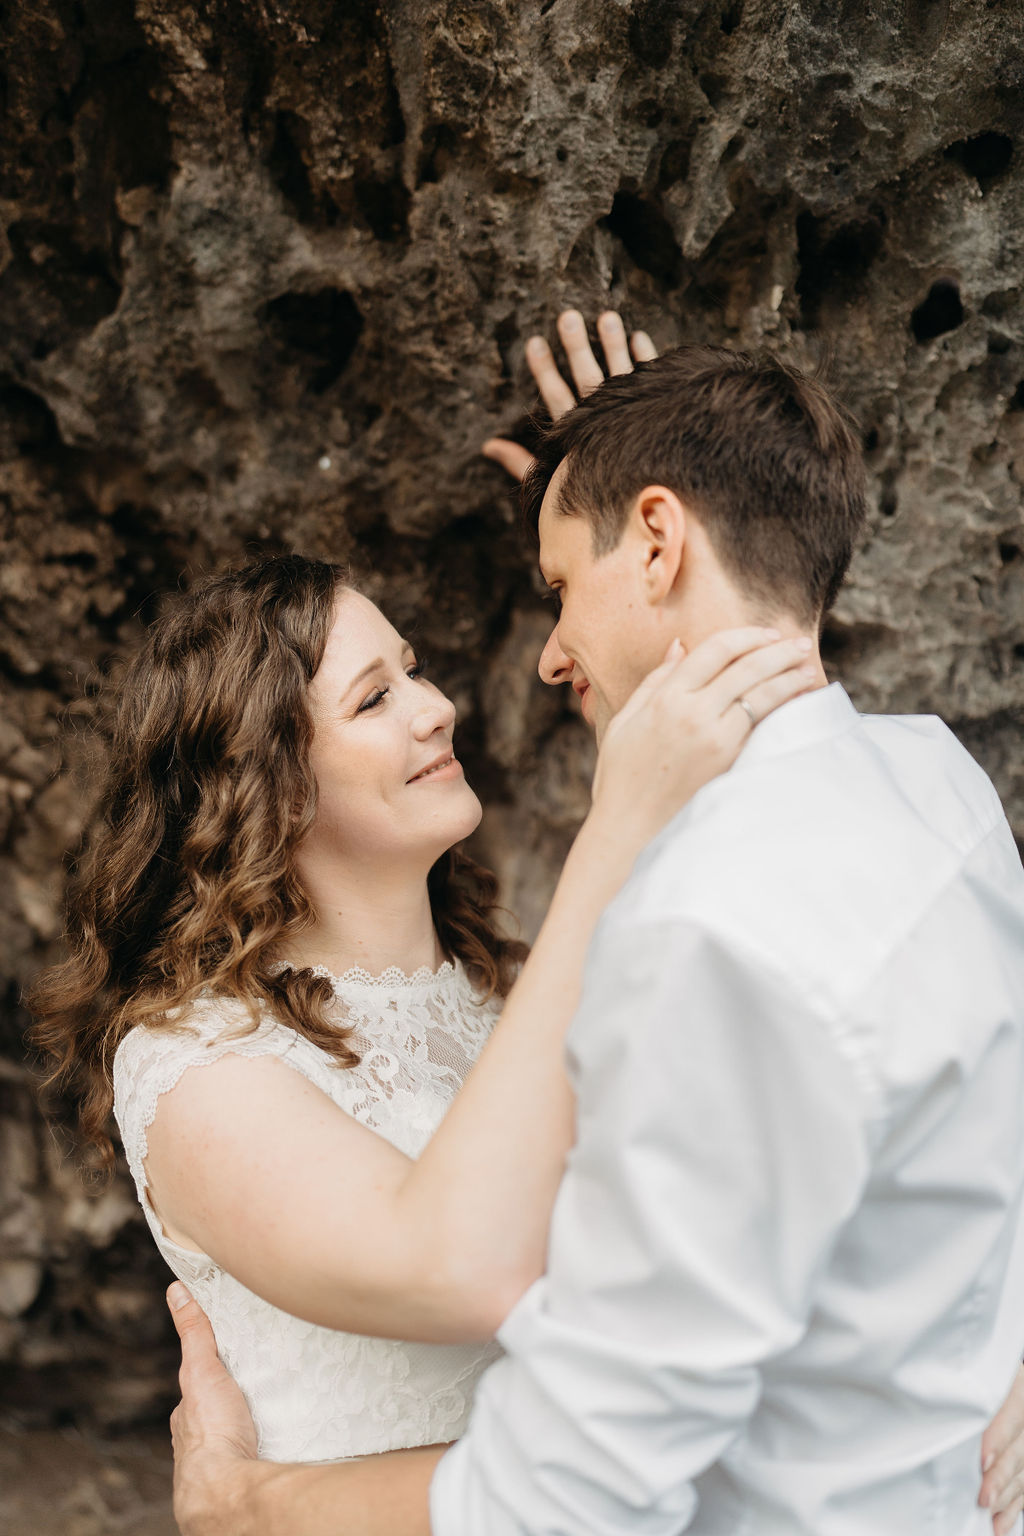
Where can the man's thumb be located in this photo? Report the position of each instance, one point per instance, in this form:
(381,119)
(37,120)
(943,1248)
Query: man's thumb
(191,1321)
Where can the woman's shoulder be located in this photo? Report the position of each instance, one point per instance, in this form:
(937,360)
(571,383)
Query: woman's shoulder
(205,1029)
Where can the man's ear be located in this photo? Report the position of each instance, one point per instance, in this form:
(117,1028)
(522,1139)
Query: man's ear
(659,521)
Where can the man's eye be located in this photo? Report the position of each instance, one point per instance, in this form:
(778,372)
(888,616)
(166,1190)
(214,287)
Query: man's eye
(372,702)
(554,596)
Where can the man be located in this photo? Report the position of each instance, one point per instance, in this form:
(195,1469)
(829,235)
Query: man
(785,1270)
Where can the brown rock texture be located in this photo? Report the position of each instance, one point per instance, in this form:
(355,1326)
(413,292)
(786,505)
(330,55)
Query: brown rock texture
(266,277)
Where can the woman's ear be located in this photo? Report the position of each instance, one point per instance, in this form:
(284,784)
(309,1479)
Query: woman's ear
(660,522)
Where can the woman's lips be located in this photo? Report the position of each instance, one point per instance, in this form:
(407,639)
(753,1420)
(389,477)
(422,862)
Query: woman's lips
(449,770)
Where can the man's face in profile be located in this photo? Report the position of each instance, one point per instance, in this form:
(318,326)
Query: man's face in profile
(602,643)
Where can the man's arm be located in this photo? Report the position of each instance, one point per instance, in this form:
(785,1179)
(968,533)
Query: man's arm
(221,1489)
(720,1150)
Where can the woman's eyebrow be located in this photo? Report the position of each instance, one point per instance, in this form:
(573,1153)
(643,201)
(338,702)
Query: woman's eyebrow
(373,667)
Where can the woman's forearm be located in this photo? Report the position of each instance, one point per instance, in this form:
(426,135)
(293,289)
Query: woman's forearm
(485,1185)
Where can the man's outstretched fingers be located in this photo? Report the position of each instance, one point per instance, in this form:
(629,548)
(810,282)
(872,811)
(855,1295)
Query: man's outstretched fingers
(586,370)
(555,392)
(642,347)
(613,339)
(513,457)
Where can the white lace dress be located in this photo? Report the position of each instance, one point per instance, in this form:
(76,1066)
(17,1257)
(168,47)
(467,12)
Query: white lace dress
(316,1394)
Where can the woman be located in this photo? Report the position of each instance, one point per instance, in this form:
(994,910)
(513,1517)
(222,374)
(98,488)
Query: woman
(281,973)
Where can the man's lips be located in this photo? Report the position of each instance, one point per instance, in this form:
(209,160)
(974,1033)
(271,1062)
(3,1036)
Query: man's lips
(582,691)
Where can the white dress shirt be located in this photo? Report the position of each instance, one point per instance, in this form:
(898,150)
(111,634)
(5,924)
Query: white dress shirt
(785,1290)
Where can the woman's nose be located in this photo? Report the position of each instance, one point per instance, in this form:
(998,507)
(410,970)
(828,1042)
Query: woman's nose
(554,665)
(435,713)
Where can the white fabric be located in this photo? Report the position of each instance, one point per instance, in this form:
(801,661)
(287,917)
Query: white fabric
(786,1280)
(316,1394)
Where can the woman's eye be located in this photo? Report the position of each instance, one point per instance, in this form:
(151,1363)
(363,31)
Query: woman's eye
(372,701)
(418,668)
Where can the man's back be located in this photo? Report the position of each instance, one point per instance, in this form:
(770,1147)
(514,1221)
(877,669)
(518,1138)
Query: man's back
(784,1285)
(867,863)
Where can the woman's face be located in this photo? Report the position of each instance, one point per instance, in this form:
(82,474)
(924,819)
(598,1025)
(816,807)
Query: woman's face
(389,786)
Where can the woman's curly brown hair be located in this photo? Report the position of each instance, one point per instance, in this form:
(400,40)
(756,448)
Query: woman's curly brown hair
(189,883)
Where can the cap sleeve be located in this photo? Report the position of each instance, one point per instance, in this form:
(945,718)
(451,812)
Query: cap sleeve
(150,1061)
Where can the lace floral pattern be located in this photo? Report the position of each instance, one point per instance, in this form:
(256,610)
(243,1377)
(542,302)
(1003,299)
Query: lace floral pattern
(316,1394)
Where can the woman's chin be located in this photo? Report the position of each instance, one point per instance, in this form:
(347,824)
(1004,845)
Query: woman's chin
(469,816)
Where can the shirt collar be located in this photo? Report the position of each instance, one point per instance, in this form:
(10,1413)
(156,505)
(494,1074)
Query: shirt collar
(813,717)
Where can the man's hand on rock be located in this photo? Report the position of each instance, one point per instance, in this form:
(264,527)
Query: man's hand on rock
(620,354)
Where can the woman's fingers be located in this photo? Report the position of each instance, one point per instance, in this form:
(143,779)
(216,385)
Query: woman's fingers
(742,677)
(1005,1522)
(555,392)
(764,697)
(586,371)
(613,340)
(511,456)
(642,347)
(1002,1452)
(711,657)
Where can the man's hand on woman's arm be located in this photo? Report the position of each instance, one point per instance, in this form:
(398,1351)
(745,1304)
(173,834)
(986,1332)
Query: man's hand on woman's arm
(620,354)
(221,1489)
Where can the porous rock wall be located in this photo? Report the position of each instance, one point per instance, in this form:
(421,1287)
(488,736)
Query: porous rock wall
(266,278)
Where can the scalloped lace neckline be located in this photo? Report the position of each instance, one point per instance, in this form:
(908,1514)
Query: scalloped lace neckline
(392,978)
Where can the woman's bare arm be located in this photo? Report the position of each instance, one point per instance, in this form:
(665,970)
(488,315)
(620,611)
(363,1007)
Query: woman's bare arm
(321,1216)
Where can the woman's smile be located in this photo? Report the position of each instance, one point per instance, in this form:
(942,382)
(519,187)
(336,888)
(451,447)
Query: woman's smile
(446,767)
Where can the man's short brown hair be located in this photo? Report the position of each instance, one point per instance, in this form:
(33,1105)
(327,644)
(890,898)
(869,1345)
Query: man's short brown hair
(764,456)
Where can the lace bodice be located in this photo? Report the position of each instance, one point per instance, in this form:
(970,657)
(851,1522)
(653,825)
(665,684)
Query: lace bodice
(316,1394)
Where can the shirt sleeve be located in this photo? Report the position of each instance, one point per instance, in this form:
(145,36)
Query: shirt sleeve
(720,1149)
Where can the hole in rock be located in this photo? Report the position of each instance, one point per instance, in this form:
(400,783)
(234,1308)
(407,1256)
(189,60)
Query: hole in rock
(1018,650)
(287,165)
(137,130)
(1017,399)
(322,328)
(888,501)
(650,31)
(1009,552)
(731,17)
(940,312)
(834,263)
(438,152)
(385,207)
(675,162)
(647,237)
(32,425)
(985,157)
(79,280)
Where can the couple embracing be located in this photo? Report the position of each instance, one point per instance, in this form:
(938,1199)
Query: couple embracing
(732,1163)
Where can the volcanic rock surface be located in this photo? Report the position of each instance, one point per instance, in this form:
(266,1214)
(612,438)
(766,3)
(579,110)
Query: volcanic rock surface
(266,277)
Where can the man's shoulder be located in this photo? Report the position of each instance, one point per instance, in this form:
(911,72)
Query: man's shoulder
(831,847)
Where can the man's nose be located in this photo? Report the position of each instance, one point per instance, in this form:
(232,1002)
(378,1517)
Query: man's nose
(554,665)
